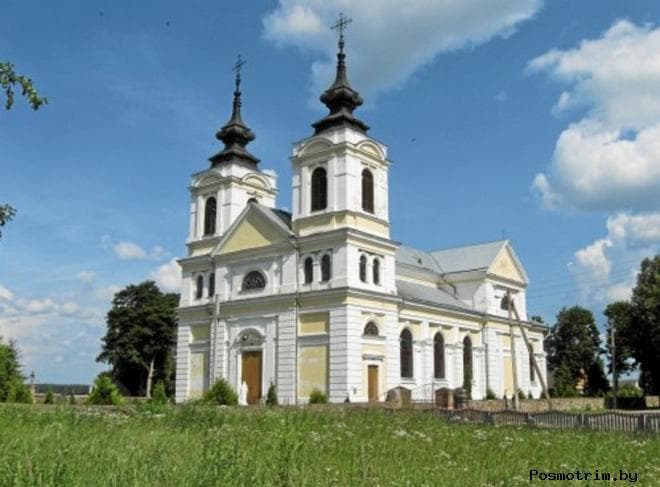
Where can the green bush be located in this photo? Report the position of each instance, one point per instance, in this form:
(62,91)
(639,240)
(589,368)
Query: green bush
(271,397)
(159,395)
(19,392)
(222,394)
(50,398)
(317,397)
(72,399)
(521,394)
(104,393)
(490,394)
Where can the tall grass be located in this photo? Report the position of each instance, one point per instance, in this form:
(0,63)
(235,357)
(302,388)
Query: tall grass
(202,445)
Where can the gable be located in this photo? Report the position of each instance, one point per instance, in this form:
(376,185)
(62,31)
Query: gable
(505,265)
(251,232)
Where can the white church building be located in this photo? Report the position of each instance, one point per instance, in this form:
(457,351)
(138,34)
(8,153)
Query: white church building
(322,298)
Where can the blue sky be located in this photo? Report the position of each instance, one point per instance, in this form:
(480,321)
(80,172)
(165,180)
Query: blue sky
(539,121)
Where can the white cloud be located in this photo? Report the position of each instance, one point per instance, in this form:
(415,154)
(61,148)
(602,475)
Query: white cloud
(5,293)
(606,270)
(610,158)
(126,250)
(168,276)
(129,251)
(86,276)
(107,293)
(388,41)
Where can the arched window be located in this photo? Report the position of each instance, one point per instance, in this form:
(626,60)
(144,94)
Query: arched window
(309,270)
(363,268)
(438,356)
(211,284)
(367,191)
(376,271)
(210,208)
(371,329)
(254,280)
(467,362)
(199,287)
(532,372)
(406,347)
(325,268)
(253,200)
(319,189)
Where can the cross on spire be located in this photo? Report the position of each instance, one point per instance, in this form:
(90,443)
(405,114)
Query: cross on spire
(237,69)
(341,24)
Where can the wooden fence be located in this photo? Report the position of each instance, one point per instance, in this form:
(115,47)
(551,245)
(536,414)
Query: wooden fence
(607,421)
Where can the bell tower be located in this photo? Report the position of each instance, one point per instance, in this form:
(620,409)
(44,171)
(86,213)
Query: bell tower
(220,193)
(340,174)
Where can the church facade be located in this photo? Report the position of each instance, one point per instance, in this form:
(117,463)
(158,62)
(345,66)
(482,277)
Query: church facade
(322,298)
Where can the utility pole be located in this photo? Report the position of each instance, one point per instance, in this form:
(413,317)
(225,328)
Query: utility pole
(512,307)
(509,307)
(615,381)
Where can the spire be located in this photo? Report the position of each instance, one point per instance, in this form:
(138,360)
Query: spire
(235,134)
(341,99)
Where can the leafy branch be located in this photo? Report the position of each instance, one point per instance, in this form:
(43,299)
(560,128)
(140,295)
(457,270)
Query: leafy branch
(10,79)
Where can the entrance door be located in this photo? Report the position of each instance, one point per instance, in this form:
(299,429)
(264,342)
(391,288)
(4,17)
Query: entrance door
(373,382)
(251,374)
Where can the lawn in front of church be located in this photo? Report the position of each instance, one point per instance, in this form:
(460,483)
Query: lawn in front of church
(199,445)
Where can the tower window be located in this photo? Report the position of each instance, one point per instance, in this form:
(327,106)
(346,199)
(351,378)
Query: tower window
(309,270)
(363,268)
(376,271)
(319,189)
(254,280)
(406,350)
(199,287)
(367,191)
(325,268)
(210,209)
(211,284)
(253,200)
(532,372)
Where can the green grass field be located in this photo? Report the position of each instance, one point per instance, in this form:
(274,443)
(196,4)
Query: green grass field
(194,445)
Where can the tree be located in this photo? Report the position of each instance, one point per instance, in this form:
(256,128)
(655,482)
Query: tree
(10,369)
(619,319)
(6,215)
(104,392)
(644,331)
(139,343)
(9,80)
(573,347)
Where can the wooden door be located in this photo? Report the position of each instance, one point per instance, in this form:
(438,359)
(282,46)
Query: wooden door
(373,382)
(251,375)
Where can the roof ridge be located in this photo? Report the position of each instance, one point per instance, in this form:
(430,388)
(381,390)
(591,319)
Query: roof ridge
(503,241)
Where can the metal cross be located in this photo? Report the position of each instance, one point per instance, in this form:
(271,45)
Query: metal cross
(237,69)
(341,24)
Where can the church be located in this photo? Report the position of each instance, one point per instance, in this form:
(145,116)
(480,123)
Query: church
(322,298)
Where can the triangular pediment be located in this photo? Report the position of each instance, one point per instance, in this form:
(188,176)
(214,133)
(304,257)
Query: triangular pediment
(253,229)
(507,265)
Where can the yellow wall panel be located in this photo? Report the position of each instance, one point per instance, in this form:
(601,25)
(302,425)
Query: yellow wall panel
(199,373)
(505,266)
(313,369)
(251,234)
(200,333)
(313,323)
